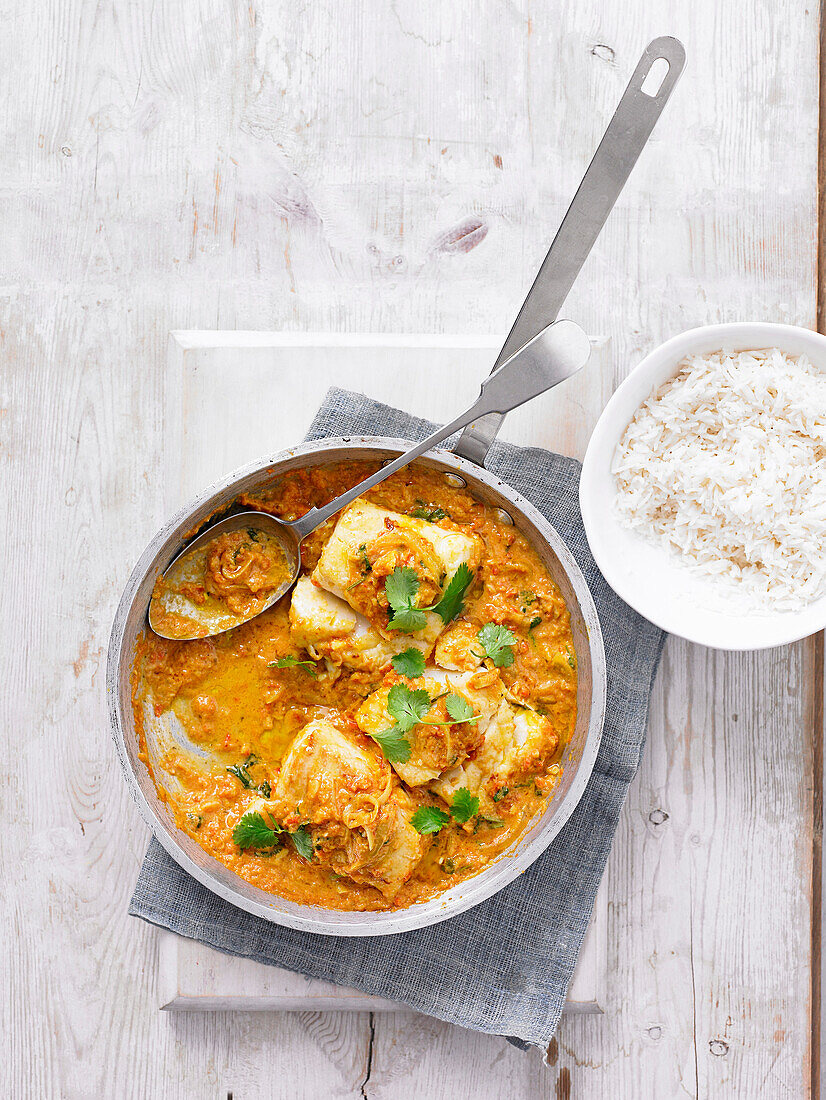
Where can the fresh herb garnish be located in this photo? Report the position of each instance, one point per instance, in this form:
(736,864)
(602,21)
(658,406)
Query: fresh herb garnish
(366,567)
(408,709)
(498,643)
(430,514)
(535,621)
(459,709)
(464,806)
(500,794)
(290,661)
(429,819)
(303,841)
(393,744)
(450,604)
(406,706)
(401,588)
(410,663)
(252,831)
(571,660)
(242,774)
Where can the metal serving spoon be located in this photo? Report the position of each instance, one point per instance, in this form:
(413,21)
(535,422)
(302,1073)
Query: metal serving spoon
(557,352)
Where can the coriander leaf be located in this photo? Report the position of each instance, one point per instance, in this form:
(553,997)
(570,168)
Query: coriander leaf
(292,662)
(408,621)
(241,774)
(464,806)
(498,642)
(241,771)
(410,663)
(429,819)
(458,708)
(450,604)
(406,706)
(303,842)
(252,831)
(366,567)
(393,744)
(401,587)
(430,514)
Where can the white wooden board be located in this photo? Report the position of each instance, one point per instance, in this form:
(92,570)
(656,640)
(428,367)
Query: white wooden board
(233,396)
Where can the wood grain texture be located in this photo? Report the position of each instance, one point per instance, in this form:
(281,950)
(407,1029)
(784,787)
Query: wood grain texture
(375,166)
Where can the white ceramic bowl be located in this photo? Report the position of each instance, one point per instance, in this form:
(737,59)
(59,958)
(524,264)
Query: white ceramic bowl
(646,575)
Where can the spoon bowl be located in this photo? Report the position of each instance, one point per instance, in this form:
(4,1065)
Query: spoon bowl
(176,615)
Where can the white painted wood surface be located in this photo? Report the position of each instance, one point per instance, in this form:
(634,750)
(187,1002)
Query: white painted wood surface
(232,397)
(373,166)
(194,978)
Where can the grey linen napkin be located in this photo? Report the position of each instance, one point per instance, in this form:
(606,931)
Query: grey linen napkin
(503,967)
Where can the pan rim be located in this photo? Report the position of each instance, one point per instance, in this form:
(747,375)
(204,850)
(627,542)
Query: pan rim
(458,899)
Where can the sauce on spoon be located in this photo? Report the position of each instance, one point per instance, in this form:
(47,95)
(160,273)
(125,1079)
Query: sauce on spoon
(219,584)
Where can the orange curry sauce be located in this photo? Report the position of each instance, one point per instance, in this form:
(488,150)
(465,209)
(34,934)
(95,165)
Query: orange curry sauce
(219,585)
(234,702)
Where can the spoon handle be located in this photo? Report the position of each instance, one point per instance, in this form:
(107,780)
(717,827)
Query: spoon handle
(556,353)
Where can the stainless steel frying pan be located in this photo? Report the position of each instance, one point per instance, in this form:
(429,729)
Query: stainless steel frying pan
(626,135)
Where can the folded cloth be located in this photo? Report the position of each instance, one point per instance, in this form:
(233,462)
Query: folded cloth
(504,966)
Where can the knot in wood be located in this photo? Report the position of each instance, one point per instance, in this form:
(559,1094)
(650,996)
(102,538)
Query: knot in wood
(603,52)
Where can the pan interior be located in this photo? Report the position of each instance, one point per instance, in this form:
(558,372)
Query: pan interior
(577,759)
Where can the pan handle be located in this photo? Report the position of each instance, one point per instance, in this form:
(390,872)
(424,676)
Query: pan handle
(628,131)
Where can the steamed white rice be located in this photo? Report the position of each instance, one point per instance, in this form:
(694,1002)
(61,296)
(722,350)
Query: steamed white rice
(726,465)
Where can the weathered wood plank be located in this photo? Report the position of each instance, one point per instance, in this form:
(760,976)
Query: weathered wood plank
(397,168)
